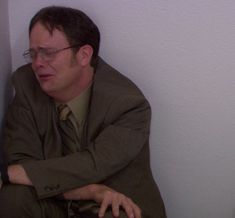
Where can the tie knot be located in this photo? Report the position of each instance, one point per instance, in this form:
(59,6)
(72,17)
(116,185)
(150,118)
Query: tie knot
(64,111)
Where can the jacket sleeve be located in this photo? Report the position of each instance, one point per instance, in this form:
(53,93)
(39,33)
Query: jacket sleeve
(125,131)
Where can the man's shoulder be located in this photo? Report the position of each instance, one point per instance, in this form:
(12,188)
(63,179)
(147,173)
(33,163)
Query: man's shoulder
(25,82)
(112,81)
(24,75)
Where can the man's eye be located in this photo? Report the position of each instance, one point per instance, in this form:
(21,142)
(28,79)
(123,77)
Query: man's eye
(49,52)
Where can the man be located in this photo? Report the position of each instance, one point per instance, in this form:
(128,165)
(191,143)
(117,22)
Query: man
(77,131)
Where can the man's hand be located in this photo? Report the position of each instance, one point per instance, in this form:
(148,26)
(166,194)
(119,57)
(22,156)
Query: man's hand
(106,197)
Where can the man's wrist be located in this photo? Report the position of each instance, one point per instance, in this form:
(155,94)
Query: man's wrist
(17,175)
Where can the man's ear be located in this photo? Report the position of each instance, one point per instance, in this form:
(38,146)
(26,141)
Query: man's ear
(84,55)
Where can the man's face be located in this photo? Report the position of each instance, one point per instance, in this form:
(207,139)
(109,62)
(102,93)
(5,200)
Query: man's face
(60,74)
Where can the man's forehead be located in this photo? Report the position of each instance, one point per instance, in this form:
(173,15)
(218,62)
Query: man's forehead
(40,33)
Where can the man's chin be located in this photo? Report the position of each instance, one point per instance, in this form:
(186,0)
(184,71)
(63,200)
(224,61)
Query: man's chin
(46,88)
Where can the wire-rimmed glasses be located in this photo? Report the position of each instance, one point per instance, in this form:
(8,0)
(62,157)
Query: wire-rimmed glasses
(46,54)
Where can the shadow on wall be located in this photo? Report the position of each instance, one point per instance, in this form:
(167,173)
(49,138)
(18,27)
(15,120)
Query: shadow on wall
(7,95)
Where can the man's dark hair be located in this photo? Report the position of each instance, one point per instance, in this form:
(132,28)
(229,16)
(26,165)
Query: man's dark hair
(78,28)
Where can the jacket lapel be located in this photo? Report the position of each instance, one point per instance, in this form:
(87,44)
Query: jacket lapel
(100,101)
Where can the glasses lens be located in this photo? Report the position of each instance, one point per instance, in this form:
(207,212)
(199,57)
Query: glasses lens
(48,54)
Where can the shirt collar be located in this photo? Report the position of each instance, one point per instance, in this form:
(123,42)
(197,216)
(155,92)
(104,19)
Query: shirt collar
(79,105)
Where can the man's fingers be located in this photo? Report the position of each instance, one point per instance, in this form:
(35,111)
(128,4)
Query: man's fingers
(128,207)
(116,202)
(103,207)
(136,210)
(131,209)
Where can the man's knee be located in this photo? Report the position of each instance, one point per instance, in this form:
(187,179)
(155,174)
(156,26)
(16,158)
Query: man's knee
(17,201)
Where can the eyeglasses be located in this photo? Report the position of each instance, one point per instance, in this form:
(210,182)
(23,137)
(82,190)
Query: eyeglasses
(46,54)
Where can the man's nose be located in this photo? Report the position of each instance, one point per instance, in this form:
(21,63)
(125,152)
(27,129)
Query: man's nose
(38,60)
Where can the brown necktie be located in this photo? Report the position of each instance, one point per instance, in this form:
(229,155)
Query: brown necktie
(71,145)
(64,111)
(67,129)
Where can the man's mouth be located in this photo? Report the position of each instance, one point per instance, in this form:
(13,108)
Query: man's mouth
(44,77)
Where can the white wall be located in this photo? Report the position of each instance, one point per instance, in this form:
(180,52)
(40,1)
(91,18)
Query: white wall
(181,54)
